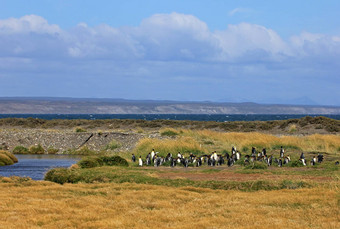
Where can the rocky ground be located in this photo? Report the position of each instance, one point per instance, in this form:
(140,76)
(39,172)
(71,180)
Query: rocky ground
(64,140)
(97,134)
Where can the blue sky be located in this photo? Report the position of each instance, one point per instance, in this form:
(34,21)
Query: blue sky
(233,51)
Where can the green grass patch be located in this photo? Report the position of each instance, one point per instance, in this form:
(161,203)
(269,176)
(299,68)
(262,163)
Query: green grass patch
(36,149)
(20,150)
(140,176)
(256,165)
(169,133)
(7,158)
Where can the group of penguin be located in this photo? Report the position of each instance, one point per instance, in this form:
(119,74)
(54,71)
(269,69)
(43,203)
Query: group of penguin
(215,159)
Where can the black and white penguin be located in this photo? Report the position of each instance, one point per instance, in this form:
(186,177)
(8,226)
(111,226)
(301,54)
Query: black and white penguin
(133,158)
(140,161)
(282,152)
(320,158)
(302,156)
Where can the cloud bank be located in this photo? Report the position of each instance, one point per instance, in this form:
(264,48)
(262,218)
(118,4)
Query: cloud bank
(168,56)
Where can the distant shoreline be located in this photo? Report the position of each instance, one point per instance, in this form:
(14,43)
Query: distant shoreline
(121,106)
(178,117)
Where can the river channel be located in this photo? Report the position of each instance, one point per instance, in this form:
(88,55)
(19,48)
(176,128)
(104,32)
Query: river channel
(35,166)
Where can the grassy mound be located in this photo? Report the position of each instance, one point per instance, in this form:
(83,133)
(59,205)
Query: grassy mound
(20,150)
(64,175)
(90,162)
(7,158)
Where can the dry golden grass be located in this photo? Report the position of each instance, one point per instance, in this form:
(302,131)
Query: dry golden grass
(315,142)
(165,146)
(28,204)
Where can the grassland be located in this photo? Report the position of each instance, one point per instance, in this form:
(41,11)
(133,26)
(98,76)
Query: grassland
(205,197)
(31,204)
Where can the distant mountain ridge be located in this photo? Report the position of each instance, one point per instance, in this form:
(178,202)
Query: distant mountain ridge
(51,105)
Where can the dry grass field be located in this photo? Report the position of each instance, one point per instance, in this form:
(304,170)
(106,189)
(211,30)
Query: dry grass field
(32,204)
(206,197)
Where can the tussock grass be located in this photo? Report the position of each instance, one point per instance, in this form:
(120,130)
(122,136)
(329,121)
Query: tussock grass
(36,149)
(170,132)
(7,158)
(184,145)
(244,141)
(45,204)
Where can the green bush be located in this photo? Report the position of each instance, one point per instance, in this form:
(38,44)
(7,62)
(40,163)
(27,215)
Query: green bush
(90,162)
(7,158)
(114,160)
(52,150)
(38,149)
(169,133)
(20,150)
(58,175)
(79,130)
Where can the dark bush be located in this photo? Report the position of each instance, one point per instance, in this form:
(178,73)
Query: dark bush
(38,149)
(114,160)
(58,175)
(169,133)
(20,150)
(90,162)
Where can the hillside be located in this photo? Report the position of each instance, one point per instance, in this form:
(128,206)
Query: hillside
(120,106)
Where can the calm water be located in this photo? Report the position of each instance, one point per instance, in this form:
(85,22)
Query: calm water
(35,166)
(194,117)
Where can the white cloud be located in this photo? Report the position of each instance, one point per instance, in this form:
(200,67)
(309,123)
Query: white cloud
(161,37)
(238,11)
(27,24)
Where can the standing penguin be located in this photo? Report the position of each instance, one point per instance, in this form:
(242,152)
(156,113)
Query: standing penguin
(133,158)
(282,152)
(302,156)
(152,154)
(140,161)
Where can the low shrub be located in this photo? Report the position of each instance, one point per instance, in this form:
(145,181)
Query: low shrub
(169,133)
(52,150)
(7,158)
(90,162)
(114,160)
(79,130)
(37,149)
(58,175)
(20,150)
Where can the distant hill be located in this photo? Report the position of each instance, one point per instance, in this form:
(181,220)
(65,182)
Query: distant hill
(38,105)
